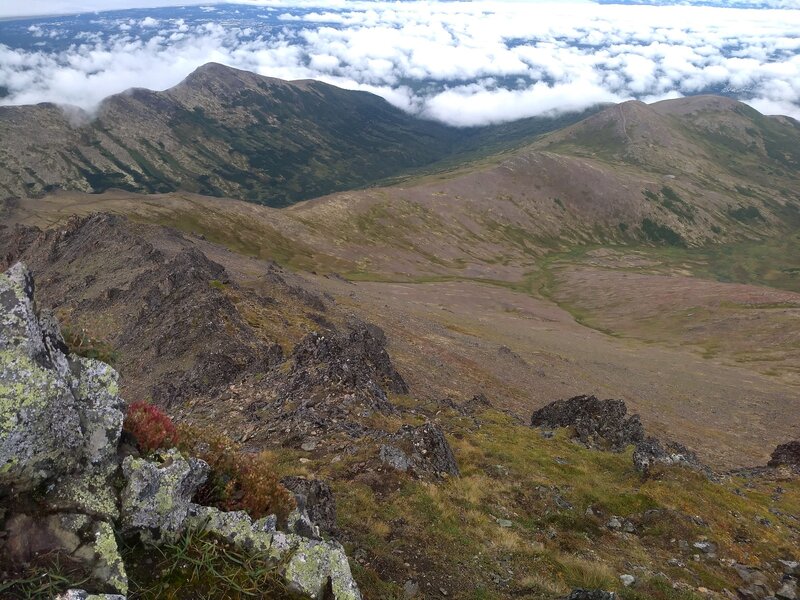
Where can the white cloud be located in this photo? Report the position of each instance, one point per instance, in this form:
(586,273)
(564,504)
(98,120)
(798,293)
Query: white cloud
(465,63)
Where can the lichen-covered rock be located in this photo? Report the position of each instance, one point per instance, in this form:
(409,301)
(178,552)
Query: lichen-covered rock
(157,495)
(422,451)
(315,568)
(596,422)
(58,413)
(318,569)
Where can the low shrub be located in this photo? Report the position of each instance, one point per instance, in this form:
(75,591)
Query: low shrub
(238,480)
(81,343)
(150,427)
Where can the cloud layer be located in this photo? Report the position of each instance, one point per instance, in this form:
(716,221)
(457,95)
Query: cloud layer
(461,63)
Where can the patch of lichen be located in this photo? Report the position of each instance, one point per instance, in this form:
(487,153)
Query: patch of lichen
(110,564)
(22,385)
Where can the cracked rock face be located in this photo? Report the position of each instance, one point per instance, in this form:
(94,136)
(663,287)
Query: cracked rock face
(596,422)
(60,424)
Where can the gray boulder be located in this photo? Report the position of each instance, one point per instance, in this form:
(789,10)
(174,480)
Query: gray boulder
(157,494)
(788,590)
(596,422)
(421,451)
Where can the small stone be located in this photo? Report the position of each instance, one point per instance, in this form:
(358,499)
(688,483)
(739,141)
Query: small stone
(674,562)
(790,567)
(614,523)
(628,527)
(705,547)
(627,580)
(504,523)
(788,590)
(309,446)
(410,589)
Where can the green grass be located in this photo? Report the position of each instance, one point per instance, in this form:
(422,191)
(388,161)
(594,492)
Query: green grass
(50,576)
(80,342)
(201,566)
(454,524)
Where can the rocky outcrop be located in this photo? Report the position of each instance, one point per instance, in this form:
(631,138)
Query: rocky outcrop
(786,455)
(316,498)
(158,290)
(421,451)
(330,384)
(355,359)
(652,451)
(598,423)
(60,422)
(60,427)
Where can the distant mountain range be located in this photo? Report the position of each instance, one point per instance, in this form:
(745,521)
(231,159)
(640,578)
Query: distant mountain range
(227,132)
(680,172)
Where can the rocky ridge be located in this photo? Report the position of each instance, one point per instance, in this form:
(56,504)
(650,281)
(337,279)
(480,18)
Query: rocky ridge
(60,455)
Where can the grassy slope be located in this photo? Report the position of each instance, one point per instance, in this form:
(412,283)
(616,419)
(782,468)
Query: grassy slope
(449,536)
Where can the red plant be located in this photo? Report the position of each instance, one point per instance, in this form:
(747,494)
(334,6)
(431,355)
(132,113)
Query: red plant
(150,426)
